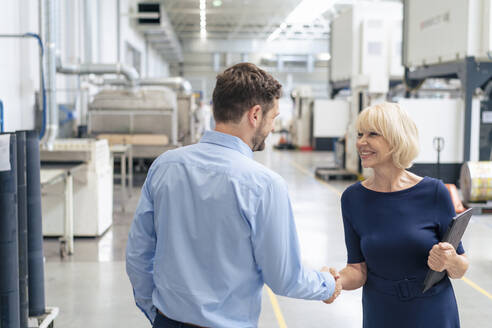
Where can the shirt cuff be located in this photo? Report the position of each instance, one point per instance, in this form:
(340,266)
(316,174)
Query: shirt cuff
(148,309)
(329,283)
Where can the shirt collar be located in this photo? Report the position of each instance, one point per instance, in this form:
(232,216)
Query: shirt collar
(227,140)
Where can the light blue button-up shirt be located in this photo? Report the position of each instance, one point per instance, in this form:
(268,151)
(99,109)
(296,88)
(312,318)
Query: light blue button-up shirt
(212,226)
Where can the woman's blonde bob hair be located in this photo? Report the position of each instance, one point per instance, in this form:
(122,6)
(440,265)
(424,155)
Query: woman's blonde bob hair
(395,125)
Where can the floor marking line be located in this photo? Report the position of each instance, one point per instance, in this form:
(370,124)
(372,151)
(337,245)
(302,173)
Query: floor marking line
(305,171)
(476,287)
(276,308)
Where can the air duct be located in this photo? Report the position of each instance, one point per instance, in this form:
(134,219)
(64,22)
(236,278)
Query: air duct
(100,69)
(178,84)
(48,24)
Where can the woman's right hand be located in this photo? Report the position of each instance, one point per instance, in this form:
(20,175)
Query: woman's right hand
(338,284)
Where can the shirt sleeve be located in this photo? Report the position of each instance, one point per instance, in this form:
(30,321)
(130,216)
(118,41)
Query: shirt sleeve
(445,212)
(276,249)
(352,239)
(140,251)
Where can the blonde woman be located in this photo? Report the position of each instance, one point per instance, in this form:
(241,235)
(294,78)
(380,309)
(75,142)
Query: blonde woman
(394,222)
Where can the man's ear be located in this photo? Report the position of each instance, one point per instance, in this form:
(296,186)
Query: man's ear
(255,115)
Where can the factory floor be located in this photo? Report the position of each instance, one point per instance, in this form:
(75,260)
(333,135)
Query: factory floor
(91,288)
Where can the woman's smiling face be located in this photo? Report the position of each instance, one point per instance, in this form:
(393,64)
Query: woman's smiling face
(373,149)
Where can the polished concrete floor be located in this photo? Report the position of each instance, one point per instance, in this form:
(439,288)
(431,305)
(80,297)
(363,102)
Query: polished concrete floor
(92,290)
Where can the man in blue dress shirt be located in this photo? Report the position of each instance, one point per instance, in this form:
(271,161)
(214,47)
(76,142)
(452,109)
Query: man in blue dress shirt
(213,225)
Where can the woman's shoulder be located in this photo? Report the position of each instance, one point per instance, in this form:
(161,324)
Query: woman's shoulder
(351,191)
(432,188)
(440,190)
(433,183)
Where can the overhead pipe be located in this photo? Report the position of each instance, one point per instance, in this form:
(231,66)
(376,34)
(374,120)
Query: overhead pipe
(34,227)
(88,31)
(9,270)
(22,226)
(99,69)
(48,27)
(42,81)
(118,31)
(178,83)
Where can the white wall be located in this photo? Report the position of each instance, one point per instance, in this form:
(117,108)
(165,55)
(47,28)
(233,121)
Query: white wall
(156,66)
(19,60)
(19,64)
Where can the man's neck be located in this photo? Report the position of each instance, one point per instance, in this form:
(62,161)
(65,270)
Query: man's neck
(234,130)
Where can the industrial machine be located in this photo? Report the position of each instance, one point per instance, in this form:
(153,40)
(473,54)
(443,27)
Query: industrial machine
(123,111)
(448,115)
(92,188)
(330,121)
(366,60)
(302,120)
(462,28)
(463,53)
(152,118)
(317,123)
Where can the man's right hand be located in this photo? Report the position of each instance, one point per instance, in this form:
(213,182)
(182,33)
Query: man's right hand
(338,284)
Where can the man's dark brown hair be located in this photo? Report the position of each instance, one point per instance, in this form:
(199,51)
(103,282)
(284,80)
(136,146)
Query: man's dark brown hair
(241,87)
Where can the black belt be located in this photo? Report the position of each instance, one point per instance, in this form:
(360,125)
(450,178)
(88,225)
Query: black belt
(177,323)
(406,289)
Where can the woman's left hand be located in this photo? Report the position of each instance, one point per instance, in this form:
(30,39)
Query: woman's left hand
(441,257)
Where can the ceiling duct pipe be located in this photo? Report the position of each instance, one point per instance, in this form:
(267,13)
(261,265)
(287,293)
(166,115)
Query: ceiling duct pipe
(99,69)
(48,21)
(88,31)
(179,84)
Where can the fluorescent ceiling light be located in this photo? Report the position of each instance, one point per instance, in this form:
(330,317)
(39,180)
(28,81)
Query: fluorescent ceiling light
(305,12)
(309,10)
(325,56)
(275,34)
(269,56)
(217,3)
(203,20)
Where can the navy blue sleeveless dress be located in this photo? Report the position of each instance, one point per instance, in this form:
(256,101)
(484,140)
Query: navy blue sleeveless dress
(393,233)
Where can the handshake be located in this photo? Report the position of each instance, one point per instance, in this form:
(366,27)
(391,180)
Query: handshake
(338,284)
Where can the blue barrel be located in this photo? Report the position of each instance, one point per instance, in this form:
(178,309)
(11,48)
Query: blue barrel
(9,268)
(36,296)
(22,226)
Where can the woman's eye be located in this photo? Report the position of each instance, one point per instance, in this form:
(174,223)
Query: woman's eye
(359,135)
(374,134)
